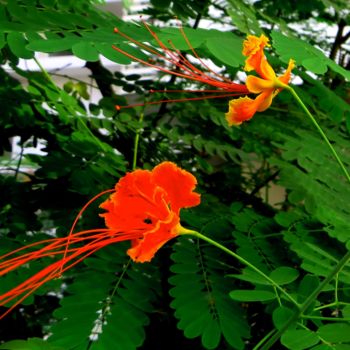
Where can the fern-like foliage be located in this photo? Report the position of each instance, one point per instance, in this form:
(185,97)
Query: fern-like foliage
(254,235)
(325,194)
(201,302)
(199,278)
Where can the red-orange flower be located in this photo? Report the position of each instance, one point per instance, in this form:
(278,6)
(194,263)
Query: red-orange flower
(268,85)
(143,208)
(148,204)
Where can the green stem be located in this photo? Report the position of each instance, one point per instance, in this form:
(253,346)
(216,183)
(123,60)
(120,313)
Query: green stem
(243,261)
(136,143)
(342,262)
(336,300)
(334,304)
(262,341)
(332,319)
(319,129)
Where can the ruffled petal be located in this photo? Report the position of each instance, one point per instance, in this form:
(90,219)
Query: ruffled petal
(253,48)
(136,205)
(145,248)
(257,85)
(244,108)
(240,110)
(178,184)
(285,78)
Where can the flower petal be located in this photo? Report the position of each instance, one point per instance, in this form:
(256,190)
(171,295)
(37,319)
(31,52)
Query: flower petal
(264,100)
(253,48)
(244,108)
(240,110)
(285,78)
(265,70)
(133,206)
(257,85)
(178,184)
(144,249)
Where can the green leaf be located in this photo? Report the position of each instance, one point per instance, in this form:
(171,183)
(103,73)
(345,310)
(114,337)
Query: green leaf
(53,45)
(281,315)
(2,40)
(252,295)
(251,276)
(211,335)
(243,17)
(335,332)
(17,44)
(227,50)
(284,275)
(299,339)
(307,285)
(195,37)
(107,51)
(303,53)
(30,344)
(86,51)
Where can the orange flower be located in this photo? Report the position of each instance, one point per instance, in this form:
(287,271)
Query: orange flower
(148,204)
(143,208)
(268,85)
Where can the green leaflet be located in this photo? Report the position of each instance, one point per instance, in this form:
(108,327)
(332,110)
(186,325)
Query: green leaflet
(17,43)
(299,339)
(227,50)
(86,51)
(252,295)
(249,235)
(30,344)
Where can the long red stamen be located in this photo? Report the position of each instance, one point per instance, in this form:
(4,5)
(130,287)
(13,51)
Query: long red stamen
(80,214)
(73,256)
(197,56)
(47,250)
(118,107)
(185,69)
(175,56)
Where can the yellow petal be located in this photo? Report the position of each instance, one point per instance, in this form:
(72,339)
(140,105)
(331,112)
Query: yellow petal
(257,85)
(253,44)
(244,108)
(264,100)
(285,78)
(265,70)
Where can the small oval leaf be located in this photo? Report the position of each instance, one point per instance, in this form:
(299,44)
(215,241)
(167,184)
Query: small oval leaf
(284,275)
(299,339)
(252,295)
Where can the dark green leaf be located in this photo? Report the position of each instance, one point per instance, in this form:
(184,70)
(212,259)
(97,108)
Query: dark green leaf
(252,295)
(299,339)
